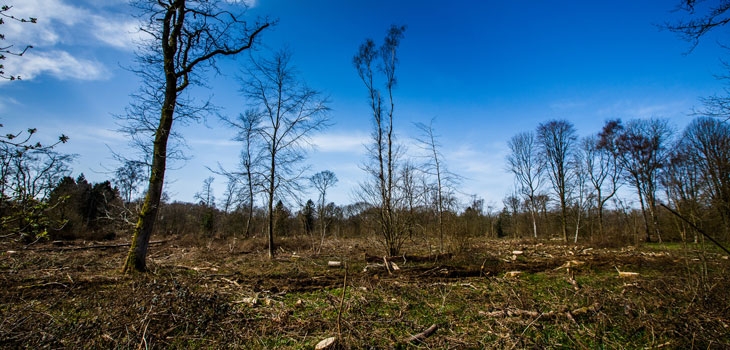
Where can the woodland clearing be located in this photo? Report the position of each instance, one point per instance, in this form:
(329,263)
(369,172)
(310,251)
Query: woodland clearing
(496,293)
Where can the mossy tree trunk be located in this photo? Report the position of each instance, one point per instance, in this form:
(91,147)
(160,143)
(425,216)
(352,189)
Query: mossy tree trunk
(186,42)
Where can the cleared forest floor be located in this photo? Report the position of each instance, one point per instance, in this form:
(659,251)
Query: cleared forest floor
(500,294)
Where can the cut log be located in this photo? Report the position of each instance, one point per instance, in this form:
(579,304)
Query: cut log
(334,264)
(624,274)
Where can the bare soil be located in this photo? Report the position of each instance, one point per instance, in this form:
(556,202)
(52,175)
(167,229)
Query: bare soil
(225,293)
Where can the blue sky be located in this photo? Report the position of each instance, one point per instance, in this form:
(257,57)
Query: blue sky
(485,70)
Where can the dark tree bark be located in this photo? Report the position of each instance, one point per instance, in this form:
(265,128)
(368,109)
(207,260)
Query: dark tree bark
(188,36)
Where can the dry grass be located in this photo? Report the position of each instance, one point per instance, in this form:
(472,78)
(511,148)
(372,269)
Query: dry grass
(204,293)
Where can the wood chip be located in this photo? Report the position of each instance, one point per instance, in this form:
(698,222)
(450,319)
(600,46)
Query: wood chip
(326,343)
(512,274)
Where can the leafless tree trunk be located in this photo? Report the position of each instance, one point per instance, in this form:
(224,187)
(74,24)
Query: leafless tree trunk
(322,181)
(684,184)
(580,185)
(383,150)
(525,164)
(707,144)
(434,166)
(250,169)
(604,174)
(185,36)
(289,113)
(557,138)
(641,148)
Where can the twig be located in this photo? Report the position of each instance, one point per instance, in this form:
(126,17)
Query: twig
(387,265)
(342,303)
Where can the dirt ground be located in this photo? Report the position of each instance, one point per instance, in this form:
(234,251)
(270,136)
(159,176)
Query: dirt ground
(226,293)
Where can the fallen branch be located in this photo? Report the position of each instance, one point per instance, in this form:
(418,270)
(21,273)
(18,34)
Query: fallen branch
(624,274)
(101,246)
(409,258)
(195,268)
(533,314)
(420,337)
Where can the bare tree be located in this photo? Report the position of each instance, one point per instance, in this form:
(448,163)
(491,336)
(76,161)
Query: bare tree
(684,184)
(581,197)
(524,162)
(557,142)
(708,146)
(250,168)
(512,206)
(128,177)
(641,148)
(230,196)
(435,167)
(603,173)
(206,196)
(322,181)
(290,112)
(383,150)
(185,38)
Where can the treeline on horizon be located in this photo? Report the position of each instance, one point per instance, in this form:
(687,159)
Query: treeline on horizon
(607,189)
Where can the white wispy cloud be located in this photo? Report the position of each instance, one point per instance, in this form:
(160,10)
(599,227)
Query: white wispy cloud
(483,169)
(97,133)
(60,64)
(120,34)
(5,102)
(63,34)
(214,142)
(341,142)
(643,109)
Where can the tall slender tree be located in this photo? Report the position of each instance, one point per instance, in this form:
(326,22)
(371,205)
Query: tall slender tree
(289,112)
(383,149)
(524,162)
(603,174)
(435,167)
(322,181)
(557,142)
(185,38)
